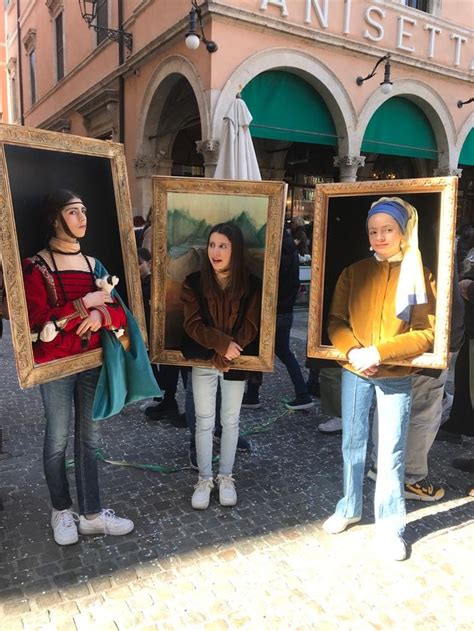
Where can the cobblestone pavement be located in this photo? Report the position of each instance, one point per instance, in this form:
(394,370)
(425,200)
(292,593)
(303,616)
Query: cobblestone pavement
(265,564)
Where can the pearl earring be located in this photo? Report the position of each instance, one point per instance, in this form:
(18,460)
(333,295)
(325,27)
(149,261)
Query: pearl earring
(371,249)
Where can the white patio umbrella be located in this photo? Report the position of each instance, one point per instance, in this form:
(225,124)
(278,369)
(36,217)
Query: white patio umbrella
(237,159)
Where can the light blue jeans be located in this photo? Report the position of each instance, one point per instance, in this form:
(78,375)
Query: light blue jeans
(393,402)
(205,382)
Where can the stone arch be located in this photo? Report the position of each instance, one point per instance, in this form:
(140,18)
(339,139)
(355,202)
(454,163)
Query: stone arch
(153,152)
(319,76)
(463,134)
(432,106)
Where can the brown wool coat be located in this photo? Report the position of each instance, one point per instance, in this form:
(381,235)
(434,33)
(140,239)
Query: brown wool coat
(224,313)
(363,314)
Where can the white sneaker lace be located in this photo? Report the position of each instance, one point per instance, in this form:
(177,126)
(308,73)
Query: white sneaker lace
(225,481)
(203,484)
(108,515)
(65,518)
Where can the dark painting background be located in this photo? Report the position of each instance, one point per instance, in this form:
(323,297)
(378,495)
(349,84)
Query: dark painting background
(347,240)
(33,173)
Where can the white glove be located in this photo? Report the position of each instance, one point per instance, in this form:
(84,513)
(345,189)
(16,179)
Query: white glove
(363,358)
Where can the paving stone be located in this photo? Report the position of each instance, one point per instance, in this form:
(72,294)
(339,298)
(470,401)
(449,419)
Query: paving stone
(265,564)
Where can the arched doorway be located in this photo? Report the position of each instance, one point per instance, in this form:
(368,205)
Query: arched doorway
(171,129)
(398,142)
(295,138)
(466,183)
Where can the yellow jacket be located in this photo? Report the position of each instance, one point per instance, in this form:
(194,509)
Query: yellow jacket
(363,314)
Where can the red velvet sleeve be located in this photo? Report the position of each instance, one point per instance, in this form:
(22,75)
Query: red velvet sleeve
(40,311)
(113,316)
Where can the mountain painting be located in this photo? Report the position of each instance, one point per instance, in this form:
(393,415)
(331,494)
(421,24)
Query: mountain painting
(190,216)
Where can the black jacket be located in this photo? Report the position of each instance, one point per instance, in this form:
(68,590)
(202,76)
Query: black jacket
(289,275)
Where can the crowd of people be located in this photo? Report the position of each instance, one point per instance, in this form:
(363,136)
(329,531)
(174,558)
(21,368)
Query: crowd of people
(382,311)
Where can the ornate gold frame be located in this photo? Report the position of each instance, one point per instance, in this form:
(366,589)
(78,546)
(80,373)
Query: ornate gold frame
(29,373)
(276,194)
(447,188)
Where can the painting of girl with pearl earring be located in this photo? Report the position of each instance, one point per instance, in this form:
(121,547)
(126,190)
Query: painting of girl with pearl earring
(342,237)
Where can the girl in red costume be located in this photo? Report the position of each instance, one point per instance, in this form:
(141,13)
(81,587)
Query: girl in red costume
(66,312)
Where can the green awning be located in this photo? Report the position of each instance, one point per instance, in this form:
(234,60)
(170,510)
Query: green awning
(285,107)
(467,153)
(400,128)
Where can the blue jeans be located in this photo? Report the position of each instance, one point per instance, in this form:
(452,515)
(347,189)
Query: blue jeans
(58,398)
(285,355)
(393,402)
(204,383)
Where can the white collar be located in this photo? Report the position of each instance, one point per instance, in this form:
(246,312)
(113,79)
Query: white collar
(391,259)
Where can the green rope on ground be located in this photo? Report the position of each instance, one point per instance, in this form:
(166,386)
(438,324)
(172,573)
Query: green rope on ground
(158,468)
(264,427)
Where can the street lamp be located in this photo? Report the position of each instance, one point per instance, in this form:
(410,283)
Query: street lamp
(89,14)
(193,39)
(386,85)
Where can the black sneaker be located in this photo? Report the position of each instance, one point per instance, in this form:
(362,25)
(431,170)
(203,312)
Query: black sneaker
(251,402)
(464,464)
(424,491)
(167,409)
(448,437)
(302,402)
(178,421)
(242,443)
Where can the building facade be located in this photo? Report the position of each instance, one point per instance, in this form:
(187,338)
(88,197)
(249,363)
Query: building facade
(295,62)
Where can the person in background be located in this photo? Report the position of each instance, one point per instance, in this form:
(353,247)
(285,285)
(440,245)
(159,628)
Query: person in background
(299,235)
(382,310)
(288,285)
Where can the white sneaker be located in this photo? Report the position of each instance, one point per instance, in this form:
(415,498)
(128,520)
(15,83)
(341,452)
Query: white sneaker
(106,523)
(336,524)
(227,492)
(333,426)
(63,523)
(392,547)
(447,402)
(202,493)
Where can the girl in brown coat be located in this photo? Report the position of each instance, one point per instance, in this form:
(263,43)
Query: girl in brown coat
(221,319)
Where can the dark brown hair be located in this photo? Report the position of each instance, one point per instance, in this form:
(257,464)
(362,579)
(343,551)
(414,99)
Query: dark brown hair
(238,278)
(52,205)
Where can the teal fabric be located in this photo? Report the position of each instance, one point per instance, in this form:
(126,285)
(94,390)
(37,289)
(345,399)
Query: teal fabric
(126,376)
(400,128)
(467,153)
(286,107)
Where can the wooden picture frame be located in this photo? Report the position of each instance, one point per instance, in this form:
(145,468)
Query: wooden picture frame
(184,209)
(340,239)
(34,162)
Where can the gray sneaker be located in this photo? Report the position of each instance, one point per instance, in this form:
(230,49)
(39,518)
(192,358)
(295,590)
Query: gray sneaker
(106,523)
(63,523)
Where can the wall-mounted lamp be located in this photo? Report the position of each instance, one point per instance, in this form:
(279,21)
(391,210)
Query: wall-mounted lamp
(386,85)
(461,103)
(192,38)
(89,14)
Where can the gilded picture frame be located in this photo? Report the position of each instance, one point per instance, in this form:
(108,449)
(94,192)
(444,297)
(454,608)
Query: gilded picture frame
(33,162)
(340,238)
(184,209)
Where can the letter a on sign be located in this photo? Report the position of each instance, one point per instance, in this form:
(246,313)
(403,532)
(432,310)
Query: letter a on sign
(276,3)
